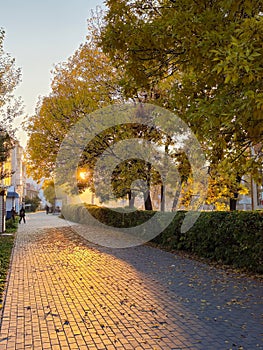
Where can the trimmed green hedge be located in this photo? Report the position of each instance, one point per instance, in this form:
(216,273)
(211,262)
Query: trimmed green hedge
(11,226)
(6,245)
(231,238)
(120,218)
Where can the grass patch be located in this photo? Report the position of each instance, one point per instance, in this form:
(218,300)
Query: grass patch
(11,226)
(6,245)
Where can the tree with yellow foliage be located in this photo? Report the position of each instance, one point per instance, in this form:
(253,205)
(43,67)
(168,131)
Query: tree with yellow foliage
(211,53)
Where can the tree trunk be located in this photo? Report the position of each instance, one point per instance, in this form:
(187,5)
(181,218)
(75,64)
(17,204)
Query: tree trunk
(233,201)
(131,199)
(147,201)
(176,198)
(147,195)
(163,186)
(162,197)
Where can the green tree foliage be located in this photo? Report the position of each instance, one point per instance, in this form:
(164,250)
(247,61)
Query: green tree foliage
(86,82)
(126,170)
(34,203)
(202,60)
(9,78)
(9,106)
(49,191)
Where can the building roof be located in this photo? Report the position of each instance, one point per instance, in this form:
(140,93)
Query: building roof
(12,195)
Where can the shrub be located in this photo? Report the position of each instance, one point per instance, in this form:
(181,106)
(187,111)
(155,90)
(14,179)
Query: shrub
(233,238)
(11,225)
(6,244)
(32,203)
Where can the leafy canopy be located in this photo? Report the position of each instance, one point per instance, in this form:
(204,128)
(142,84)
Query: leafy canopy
(206,59)
(86,82)
(10,108)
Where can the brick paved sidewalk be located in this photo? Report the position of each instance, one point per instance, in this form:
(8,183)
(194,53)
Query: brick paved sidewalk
(66,293)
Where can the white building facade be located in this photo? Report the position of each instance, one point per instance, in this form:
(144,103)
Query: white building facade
(16,183)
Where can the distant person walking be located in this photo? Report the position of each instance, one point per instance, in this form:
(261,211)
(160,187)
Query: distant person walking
(13,214)
(22,214)
(47,209)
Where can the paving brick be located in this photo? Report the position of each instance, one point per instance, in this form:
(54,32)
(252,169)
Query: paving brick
(67,293)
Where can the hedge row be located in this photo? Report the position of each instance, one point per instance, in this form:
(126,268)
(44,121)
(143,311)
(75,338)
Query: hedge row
(231,238)
(6,245)
(118,218)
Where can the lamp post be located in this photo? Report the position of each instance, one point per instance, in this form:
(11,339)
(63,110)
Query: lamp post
(2,210)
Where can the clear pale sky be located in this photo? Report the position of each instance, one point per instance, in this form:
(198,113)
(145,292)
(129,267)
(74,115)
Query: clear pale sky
(39,34)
